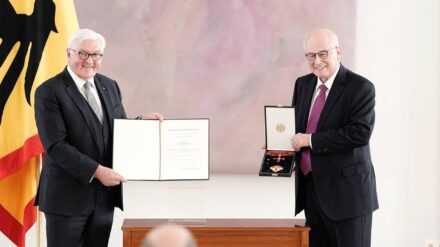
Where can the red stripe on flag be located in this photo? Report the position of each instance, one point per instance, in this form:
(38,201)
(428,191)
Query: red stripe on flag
(13,229)
(15,160)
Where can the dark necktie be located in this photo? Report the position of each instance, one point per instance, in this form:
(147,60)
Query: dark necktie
(92,100)
(306,163)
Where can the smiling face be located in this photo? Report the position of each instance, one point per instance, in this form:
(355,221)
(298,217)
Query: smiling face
(318,41)
(85,69)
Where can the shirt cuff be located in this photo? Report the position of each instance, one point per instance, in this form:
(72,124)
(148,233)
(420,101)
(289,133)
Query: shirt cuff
(93,176)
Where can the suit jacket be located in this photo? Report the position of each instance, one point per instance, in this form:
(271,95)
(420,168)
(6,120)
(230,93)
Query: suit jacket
(343,172)
(75,144)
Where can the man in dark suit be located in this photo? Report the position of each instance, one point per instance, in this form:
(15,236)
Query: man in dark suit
(334,117)
(74,111)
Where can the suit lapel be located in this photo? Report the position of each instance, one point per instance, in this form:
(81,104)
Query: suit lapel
(309,88)
(105,99)
(82,105)
(333,95)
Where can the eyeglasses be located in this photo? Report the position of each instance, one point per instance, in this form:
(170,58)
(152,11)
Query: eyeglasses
(321,54)
(84,55)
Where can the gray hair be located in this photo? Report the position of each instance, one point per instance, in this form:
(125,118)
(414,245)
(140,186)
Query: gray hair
(85,34)
(169,235)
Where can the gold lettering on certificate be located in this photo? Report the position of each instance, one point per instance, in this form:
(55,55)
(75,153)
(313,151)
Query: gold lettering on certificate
(280,127)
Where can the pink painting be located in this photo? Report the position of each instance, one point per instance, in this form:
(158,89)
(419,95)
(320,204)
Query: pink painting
(218,59)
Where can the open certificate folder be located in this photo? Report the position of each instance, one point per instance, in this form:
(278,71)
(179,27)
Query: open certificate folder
(174,149)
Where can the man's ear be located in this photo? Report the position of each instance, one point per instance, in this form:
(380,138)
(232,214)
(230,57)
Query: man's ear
(339,52)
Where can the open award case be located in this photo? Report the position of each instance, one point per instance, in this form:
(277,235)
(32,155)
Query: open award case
(278,158)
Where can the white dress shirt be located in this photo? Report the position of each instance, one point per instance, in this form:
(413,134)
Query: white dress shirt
(79,82)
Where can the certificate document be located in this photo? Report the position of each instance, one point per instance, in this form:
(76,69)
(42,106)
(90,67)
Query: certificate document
(280,126)
(174,149)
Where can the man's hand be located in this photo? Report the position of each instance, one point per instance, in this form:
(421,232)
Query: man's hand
(154,115)
(108,177)
(300,140)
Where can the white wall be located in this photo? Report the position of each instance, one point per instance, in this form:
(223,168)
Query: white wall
(398,50)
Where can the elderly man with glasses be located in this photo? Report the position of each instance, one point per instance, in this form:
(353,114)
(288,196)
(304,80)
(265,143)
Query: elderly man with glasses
(334,114)
(74,112)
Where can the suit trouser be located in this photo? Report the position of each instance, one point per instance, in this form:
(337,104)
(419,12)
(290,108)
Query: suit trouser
(324,232)
(86,230)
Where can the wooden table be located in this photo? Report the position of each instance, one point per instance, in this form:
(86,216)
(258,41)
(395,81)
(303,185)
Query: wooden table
(227,232)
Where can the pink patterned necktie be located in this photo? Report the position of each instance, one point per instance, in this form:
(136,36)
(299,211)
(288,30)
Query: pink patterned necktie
(306,163)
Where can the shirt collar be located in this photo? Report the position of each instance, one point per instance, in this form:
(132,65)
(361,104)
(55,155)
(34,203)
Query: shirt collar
(329,82)
(79,82)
